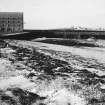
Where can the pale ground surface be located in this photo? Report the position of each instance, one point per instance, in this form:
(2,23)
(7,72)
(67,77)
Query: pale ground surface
(87,52)
(55,91)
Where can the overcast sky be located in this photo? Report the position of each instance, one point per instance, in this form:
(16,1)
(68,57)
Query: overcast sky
(44,14)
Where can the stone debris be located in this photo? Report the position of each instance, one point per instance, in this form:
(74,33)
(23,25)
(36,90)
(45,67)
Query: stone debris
(35,75)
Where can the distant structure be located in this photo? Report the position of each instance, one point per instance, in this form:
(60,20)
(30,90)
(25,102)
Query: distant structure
(79,34)
(11,22)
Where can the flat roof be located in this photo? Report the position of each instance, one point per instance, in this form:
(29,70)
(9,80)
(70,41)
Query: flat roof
(11,14)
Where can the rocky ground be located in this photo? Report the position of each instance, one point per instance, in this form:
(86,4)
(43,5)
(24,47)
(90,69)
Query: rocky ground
(34,73)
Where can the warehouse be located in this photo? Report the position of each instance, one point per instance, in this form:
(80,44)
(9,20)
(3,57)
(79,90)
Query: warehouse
(11,22)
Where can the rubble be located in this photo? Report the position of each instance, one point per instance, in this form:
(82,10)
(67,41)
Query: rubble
(49,77)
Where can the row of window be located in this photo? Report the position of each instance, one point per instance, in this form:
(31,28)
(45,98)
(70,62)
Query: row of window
(11,25)
(12,18)
(10,29)
(1,22)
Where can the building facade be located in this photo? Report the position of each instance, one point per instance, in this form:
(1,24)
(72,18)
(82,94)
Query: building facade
(11,22)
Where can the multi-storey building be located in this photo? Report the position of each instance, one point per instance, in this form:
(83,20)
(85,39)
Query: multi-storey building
(11,22)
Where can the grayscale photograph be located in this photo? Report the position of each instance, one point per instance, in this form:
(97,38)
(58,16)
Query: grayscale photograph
(52,52)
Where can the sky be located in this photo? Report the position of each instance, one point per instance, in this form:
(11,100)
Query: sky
(51,14)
